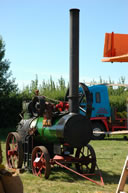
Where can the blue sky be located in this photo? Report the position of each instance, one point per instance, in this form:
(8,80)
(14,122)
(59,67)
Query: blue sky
(36,34)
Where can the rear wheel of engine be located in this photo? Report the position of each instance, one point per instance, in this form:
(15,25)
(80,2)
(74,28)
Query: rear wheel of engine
(86,159)
(98,127)
(40,161)
(14,150)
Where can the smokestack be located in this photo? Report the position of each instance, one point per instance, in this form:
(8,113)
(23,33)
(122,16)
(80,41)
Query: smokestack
(74,128)
(74,61)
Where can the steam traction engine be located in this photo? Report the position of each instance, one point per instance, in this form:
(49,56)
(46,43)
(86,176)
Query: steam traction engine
(50,133)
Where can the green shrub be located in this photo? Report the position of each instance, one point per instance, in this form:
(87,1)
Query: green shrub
(10,107)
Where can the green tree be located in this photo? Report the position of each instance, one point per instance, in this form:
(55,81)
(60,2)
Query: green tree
(28,91)
(7,84)
(10,102)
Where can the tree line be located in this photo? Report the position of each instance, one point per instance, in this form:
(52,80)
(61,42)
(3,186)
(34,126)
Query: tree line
(11,97)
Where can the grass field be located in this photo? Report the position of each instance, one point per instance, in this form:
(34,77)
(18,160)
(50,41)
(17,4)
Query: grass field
(111,154)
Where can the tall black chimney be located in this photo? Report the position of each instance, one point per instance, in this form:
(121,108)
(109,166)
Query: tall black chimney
(74,61)
(74,127)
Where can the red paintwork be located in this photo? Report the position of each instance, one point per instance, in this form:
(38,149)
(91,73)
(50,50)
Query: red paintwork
(112,126)
(38,164)
(66,159)
(82,175)
(62,160)
(62,106)
(104,120)
(12,153)
(69,159)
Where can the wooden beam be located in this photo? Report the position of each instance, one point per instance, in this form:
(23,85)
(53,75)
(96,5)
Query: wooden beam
(111,132)
(123,177)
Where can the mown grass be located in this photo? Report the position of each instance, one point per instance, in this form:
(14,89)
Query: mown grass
(111,154)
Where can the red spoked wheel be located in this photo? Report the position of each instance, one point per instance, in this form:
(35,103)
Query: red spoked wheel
(87,159)
(40,161)
(14,150)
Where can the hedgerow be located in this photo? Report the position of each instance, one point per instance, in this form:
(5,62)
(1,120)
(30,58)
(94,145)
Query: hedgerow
(11,106)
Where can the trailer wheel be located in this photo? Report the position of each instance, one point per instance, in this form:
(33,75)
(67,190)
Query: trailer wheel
(87,159)
(96,126)
(40,161)
(14,150)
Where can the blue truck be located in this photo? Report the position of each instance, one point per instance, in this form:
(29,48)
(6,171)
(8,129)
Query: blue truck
(103,117)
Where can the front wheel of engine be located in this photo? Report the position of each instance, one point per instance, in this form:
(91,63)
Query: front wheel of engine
(41,161)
